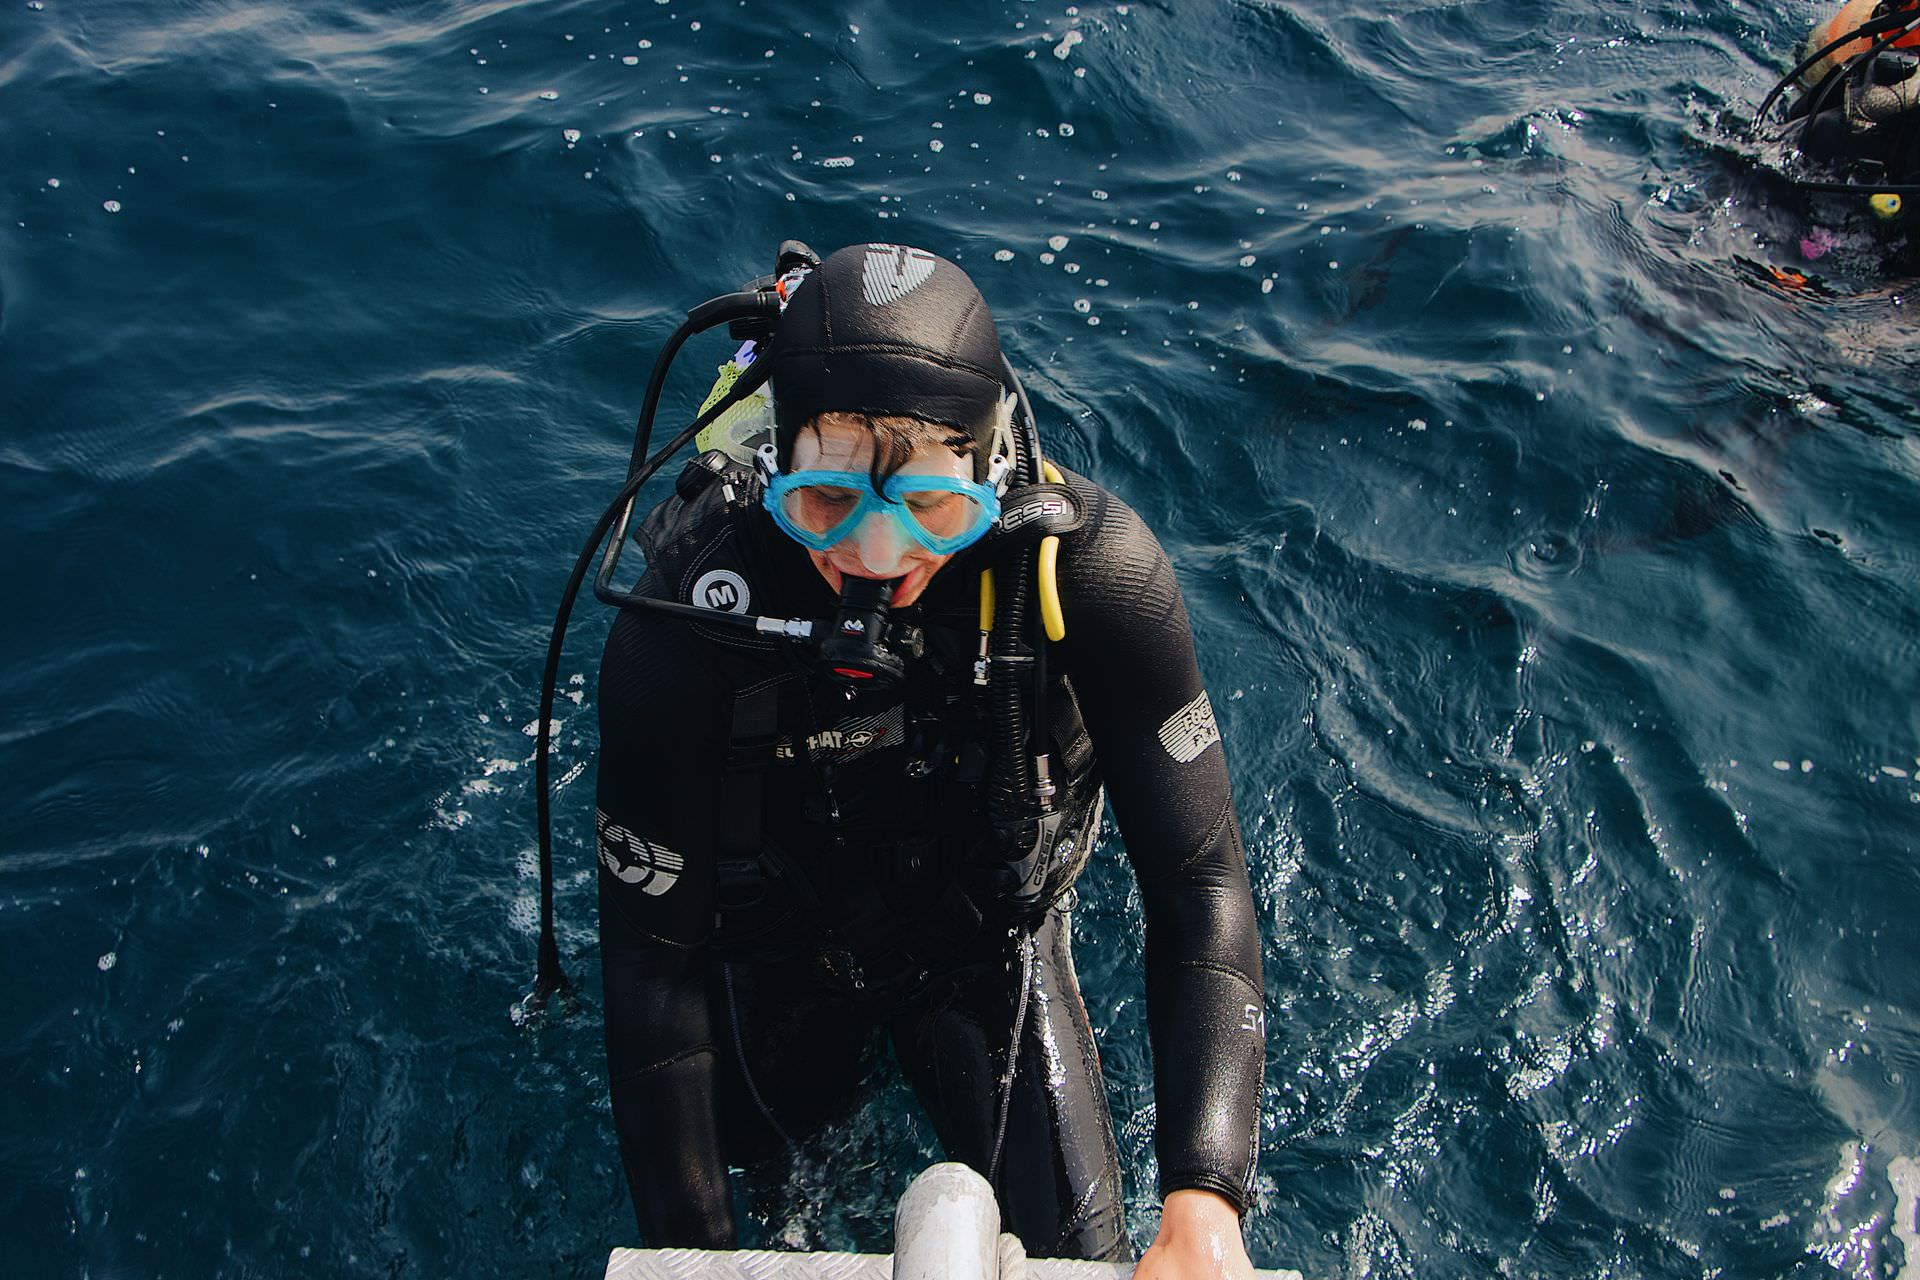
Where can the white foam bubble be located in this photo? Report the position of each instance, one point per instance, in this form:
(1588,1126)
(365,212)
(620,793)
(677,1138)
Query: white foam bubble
(1056,243)
(1003,255)
(1847,1177)
(108,960)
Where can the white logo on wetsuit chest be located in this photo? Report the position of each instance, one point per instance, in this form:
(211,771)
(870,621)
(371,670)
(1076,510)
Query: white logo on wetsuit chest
(653,867)
(852,737)
(892,271)
(721,589)
(1190,730)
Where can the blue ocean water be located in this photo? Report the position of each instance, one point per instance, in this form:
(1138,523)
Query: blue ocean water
(1553,563)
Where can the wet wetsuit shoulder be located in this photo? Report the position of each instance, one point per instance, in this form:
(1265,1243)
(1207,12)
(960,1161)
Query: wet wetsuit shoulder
(1129,651)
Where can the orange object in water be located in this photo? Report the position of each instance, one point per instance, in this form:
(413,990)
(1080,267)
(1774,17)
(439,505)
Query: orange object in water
(1851,15)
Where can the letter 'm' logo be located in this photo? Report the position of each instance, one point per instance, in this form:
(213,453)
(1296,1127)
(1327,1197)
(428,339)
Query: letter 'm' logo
(721,589)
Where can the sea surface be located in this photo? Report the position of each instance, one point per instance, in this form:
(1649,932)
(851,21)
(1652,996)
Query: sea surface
(1550,523)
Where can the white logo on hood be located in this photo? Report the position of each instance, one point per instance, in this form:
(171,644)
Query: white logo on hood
(893,271)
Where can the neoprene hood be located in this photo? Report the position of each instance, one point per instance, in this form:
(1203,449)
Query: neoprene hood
(884,330)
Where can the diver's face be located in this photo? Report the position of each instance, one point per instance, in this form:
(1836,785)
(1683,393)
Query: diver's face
(877,547)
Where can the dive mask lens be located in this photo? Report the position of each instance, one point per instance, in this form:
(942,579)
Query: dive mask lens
(942,514)
(821,513)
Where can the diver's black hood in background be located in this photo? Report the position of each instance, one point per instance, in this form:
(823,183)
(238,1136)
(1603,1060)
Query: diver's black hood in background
(882,329)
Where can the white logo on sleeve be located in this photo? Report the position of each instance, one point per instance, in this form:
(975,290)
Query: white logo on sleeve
(1190,730)
(721,589)
(892,271)
(1254,1019)
(653,867)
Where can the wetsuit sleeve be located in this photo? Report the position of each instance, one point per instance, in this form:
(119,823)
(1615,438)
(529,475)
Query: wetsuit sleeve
(658,764)
(1129,651)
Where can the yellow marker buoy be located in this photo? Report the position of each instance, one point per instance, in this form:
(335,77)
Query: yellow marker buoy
(1885,204)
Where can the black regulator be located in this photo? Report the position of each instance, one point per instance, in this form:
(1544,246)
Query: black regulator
(860,645)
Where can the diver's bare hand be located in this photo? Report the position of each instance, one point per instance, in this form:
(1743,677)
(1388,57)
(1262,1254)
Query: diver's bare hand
(1199,1239)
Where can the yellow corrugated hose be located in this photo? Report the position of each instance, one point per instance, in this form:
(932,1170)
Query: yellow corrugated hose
(1051,615)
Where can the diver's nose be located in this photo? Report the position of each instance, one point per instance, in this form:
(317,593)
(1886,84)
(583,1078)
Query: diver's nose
(881,544)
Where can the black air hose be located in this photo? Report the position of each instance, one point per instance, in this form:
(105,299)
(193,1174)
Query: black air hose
(1012,769)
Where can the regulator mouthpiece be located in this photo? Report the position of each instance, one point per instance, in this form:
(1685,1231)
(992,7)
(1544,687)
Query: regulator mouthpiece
(861,647)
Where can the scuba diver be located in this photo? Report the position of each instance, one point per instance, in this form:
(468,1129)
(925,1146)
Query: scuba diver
(1855,119)
(856,720)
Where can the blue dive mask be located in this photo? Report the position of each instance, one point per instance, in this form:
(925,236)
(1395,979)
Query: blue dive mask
(941,513)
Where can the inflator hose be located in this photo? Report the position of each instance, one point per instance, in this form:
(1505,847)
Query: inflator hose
(549,978)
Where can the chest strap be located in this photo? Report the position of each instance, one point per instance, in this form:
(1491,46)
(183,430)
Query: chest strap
(750,746)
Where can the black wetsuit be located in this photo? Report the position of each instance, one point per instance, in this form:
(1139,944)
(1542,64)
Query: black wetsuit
(865,922)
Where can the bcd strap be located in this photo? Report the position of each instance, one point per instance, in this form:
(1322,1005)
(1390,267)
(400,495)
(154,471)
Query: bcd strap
(750,746)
